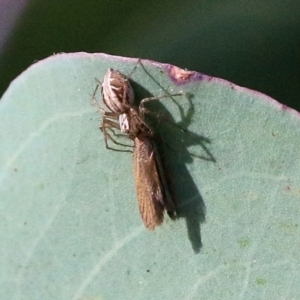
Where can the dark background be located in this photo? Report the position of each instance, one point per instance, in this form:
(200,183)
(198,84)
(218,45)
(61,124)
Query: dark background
(255,44)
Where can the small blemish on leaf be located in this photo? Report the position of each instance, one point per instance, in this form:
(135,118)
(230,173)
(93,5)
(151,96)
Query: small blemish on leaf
(232,86)
(244,243)
(289,227)
(181,76)
(261,281)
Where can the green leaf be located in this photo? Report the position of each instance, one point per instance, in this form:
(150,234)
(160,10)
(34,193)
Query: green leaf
(70,225)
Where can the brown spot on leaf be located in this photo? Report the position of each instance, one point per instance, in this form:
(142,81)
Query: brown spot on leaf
(181,75)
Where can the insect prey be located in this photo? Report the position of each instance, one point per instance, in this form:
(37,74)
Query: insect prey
(152,188)
(154,197)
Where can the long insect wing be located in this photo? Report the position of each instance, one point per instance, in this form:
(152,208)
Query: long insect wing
(148,184)
(117,92)
(169,203)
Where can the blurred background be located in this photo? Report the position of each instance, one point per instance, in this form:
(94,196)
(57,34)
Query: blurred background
(255,44)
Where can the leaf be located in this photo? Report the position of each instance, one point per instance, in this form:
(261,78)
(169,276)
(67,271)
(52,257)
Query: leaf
(70,226)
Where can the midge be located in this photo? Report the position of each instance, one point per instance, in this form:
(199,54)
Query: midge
(154,197)
(152,189)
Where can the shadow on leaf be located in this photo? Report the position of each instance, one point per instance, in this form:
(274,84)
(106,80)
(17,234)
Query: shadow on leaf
(173,141)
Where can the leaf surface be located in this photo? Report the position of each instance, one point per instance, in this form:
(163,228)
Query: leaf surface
(70,225)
